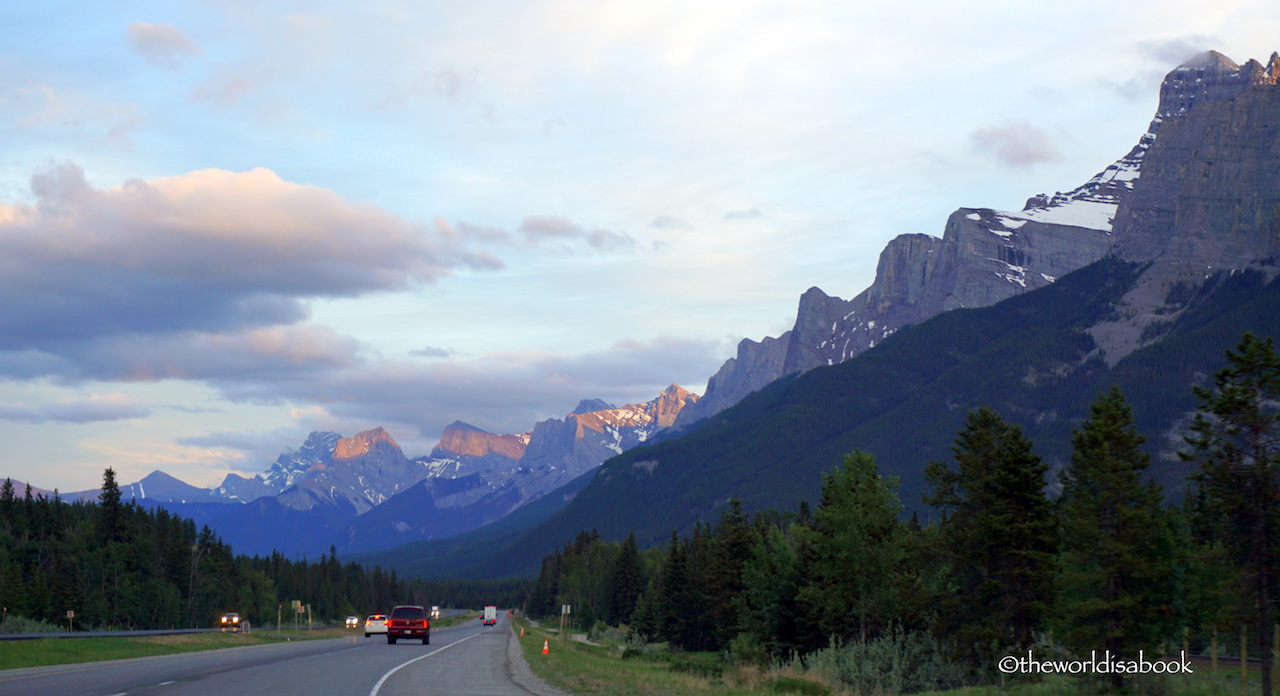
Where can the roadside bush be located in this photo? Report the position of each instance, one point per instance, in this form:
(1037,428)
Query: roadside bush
(746,649)
(21,624)
(897,663)
(597,631)
(700,664)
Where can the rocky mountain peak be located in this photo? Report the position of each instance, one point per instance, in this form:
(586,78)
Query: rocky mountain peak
(362,443)
(1211,77)
(293,465)
(590,405)
(462,439)
(664,409)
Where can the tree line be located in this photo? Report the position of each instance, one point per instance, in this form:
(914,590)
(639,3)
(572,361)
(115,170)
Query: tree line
(116,564)
(1003,567)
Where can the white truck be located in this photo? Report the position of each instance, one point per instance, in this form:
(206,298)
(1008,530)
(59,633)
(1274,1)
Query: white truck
(490,615)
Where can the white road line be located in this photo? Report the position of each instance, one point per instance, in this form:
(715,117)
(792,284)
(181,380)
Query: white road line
(397,668)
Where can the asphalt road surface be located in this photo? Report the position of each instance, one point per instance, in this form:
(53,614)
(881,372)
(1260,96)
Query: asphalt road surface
(466,659)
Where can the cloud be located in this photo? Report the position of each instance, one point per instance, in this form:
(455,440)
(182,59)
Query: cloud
(740,215)
(1016,143)
(433,352)
(1175,51)
(196,274)
(41,108)
(227,89)
(161,44)
(254,452)
(537,229)
(96,408)
(667,222)
(499,392)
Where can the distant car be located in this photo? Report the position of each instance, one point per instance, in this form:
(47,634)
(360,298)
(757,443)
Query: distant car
(408,621)
(229,622)
(353,622)
(376,623)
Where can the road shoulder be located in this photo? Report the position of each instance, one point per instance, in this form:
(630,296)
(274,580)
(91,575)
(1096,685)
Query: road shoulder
(520,672)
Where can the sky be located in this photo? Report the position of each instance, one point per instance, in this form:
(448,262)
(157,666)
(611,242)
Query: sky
(224,225)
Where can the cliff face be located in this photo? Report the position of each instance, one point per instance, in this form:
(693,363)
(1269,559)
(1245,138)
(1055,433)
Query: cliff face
(1209,197)
(366,469)
(471,467)
(983,257)
(1201,188)
(582,441)
(465,449)
(1211,191)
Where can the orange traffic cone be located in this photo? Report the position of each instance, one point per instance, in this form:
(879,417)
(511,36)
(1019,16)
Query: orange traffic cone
(522,631)
(545,648)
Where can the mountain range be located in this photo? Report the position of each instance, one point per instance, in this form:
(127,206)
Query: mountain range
(1141,277)
(362,493)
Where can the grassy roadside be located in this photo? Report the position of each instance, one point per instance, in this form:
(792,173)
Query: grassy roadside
(447,621)
(42,652)
(585,670)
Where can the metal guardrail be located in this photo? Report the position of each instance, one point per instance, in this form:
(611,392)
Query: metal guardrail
(144,632)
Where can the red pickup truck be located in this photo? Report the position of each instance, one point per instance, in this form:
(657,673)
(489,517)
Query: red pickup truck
(408,621)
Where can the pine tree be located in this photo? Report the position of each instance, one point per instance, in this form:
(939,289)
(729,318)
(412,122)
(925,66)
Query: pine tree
(112,512)
(730,547)
(624,585)
(1235,438)
(771,579)
(998,538)
(1115,577)
(858,547)
(8,505)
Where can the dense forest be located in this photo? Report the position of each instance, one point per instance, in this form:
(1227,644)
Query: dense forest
(1002,568)
(116,564)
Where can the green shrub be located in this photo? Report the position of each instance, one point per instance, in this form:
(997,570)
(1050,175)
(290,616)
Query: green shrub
(21,624)
(898,663)
(746,649)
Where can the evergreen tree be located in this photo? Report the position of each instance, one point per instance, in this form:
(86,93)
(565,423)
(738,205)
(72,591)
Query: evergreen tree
(1115,578)
(998,539)
(624,585)
(729,548)
(771,580)
(111,526)
(1235,438)
(8,505)
(858,546)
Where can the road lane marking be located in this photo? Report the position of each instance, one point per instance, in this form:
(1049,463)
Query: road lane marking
(397,668)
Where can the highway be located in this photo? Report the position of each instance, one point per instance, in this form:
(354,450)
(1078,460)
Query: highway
(465,659)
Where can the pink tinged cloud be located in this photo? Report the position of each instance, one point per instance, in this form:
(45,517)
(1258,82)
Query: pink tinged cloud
(210,253)
(537,229)
(161,44)
(1016,143)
